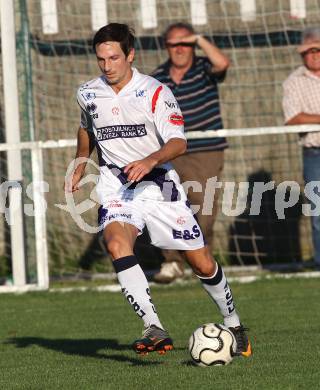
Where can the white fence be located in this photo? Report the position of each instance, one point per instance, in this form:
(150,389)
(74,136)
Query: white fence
(18,255)
(37,149)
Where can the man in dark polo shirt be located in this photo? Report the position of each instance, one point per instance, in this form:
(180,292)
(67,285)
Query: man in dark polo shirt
(194,82)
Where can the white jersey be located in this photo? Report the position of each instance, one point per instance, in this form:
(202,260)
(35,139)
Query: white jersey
(130,125)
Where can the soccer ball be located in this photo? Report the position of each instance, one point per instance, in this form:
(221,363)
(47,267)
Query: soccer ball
(212,345)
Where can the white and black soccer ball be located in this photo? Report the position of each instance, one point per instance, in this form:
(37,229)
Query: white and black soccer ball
(212,345)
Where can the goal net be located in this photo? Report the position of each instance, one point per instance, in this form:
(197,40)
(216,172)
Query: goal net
(54,56)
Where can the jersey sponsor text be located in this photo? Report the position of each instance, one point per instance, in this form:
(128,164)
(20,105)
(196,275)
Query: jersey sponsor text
(121,131)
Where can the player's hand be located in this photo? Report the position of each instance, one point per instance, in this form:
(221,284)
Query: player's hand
(136,170)
(189,39)
(71,183)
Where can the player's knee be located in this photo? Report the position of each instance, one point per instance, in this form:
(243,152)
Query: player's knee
(201,262)
(115,246)
(205,268)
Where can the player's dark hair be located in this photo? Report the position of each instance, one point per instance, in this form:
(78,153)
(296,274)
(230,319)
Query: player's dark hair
(115,32)
(171,27)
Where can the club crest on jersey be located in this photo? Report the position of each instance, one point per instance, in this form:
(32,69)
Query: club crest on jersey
(91,108)
(181,220)
(115,110)
(176,119)
(141,92)
(88,96)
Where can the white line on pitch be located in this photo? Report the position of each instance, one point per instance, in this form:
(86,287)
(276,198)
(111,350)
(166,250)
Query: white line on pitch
(233,279)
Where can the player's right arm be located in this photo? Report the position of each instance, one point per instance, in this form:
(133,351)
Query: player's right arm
(85,146)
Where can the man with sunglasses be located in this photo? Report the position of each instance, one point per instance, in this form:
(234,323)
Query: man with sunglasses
(194,82)
(301,105)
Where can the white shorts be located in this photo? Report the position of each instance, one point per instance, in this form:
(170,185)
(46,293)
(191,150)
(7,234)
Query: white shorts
(171,225)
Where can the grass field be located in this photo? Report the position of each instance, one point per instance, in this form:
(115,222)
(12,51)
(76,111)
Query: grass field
(82,340)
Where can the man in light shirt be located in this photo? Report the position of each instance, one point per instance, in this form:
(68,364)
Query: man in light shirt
(301,105)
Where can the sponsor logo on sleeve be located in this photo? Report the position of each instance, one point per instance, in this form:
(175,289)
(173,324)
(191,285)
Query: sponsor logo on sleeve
(176,119)
(171,104)
(91,108)
(87,96)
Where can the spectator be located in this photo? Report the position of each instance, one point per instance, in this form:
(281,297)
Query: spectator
(301,105)
(194,82)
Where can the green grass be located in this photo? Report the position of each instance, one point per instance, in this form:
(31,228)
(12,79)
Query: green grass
(81,340)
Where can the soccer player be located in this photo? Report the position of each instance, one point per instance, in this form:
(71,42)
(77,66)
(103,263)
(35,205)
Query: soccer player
(123,113)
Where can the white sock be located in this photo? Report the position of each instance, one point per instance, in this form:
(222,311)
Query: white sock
(218,289)
(136,289)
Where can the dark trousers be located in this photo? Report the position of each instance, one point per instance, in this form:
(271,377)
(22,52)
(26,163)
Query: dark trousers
(198,166)
(311,170)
